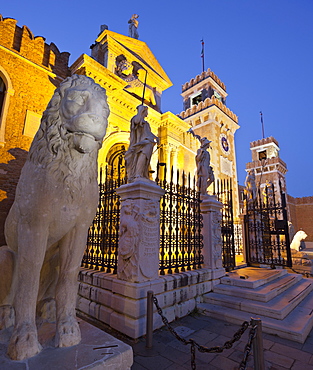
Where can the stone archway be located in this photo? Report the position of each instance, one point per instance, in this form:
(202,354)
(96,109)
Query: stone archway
(116,162)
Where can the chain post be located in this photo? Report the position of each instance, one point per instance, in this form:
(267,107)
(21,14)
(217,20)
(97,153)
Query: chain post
(257,345)
(149,322)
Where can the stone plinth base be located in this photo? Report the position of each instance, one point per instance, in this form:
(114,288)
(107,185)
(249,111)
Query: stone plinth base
(97,350)
(122,305)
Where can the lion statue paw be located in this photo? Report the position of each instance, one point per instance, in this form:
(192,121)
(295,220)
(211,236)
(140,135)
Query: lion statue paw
(68,333)
(24,343)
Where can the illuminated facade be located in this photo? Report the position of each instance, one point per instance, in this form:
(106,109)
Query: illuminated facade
(30,70)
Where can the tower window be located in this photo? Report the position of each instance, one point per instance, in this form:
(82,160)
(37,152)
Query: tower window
(196,99)
(262,155)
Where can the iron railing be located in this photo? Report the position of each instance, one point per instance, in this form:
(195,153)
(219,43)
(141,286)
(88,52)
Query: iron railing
(102,242)
(181,240)
(223,191)
(266,228)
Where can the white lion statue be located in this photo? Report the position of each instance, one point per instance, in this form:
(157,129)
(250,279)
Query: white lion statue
(46,229)
(296,241)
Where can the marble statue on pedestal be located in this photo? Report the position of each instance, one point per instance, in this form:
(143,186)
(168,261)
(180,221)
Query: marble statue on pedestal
(250,187)
(205,173)
(133,25)
(46,229)
(142,142)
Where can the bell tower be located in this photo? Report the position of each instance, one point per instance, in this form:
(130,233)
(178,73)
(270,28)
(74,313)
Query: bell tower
(266,163)
(204,102)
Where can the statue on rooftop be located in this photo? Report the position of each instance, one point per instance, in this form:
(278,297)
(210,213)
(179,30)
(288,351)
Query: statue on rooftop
(142,141)
(133,25)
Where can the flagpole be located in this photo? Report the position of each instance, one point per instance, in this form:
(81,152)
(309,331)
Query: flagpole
(144,88)
(262,124)
(202,54)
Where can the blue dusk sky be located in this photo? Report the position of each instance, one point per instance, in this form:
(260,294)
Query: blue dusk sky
(261,49)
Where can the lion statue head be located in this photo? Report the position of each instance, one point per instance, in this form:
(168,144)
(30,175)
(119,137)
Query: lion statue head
(76,117)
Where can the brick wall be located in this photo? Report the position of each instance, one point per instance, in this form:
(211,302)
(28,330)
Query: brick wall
(301,213)
(34,69)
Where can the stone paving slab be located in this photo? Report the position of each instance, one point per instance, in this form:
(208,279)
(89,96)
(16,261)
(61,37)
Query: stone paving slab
(97,350)
(170,354)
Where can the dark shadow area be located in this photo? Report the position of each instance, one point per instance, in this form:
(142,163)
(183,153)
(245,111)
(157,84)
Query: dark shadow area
(10,173)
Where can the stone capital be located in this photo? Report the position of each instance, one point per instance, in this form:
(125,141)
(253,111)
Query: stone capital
(209,203)
(140,189)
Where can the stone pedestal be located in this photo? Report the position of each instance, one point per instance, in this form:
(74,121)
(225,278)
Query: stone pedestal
(139,240)
(97,350)
(211,231)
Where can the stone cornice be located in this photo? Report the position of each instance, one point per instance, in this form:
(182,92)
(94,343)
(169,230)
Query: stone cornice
(99,73)
(268,162)
(170,119)
(207,103)
(204,75)
(261,142)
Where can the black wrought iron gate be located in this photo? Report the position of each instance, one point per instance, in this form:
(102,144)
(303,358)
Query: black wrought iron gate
(223,192)
(266,229)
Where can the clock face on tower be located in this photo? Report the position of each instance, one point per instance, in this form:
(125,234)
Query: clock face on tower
(224,144)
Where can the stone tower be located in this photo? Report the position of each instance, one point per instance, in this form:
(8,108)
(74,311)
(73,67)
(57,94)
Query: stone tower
(267,164)
(204,99)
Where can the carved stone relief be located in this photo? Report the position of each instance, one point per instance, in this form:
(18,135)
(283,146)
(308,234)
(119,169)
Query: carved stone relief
(135,75)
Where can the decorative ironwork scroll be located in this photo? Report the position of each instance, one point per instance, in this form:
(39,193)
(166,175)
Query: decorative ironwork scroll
(266,229)
(180,222)
(223,192)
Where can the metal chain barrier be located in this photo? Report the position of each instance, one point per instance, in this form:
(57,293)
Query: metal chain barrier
(227,345)
(248,347)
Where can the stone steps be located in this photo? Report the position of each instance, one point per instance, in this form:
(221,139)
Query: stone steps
(284,302)
(277,308)
(263,293)
(251,277)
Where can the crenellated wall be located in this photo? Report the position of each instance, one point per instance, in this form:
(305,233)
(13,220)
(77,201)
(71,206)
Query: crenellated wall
(31,70)
(22,41)
(205,104)
(202,76)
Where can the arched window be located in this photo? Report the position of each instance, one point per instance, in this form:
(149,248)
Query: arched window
(2,94)
(116,162)
(6,91)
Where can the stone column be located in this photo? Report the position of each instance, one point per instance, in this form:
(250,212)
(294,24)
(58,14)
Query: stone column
(211,231)
(139,237)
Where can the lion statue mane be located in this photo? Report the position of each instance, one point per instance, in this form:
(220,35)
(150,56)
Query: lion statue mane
(47,226)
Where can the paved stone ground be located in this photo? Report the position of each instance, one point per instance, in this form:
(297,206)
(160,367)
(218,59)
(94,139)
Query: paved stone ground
(169,353)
